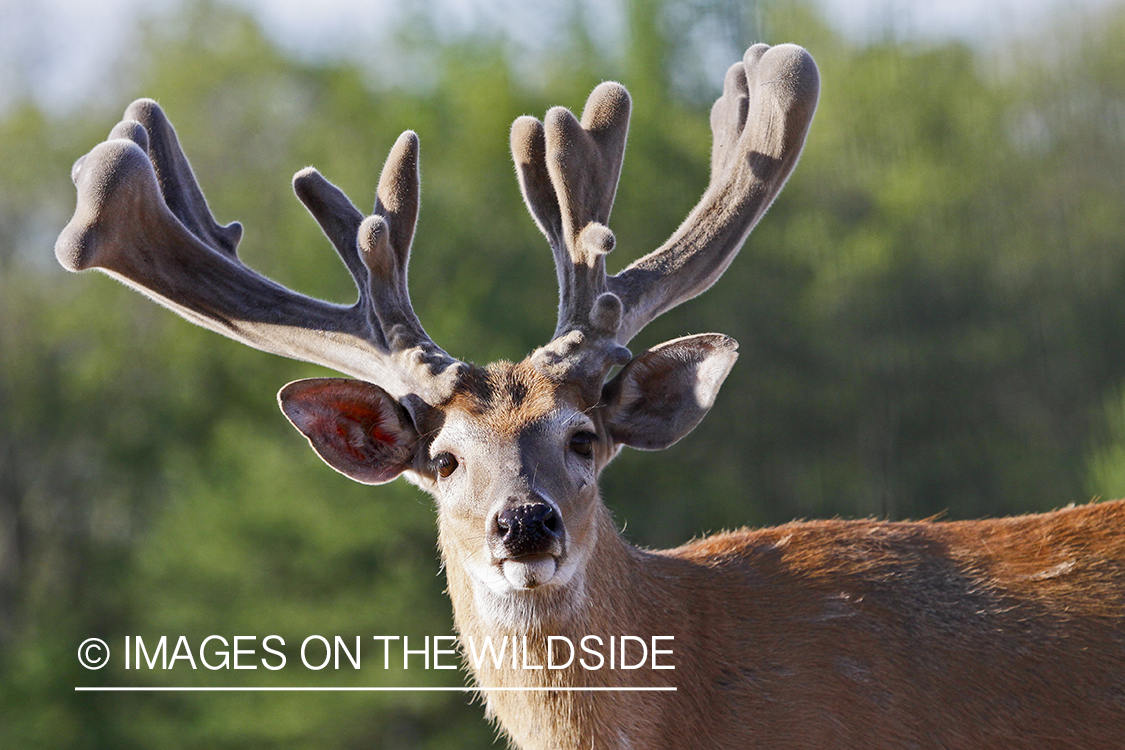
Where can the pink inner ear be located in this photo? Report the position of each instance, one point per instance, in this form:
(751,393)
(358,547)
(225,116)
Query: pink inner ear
(356,427)
(356,424)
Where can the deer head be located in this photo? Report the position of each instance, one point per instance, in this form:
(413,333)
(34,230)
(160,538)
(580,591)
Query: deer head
(511,452)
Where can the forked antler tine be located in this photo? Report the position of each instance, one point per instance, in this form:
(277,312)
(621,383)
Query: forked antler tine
(584,158)
(568,172)
(141,217)
(759,127)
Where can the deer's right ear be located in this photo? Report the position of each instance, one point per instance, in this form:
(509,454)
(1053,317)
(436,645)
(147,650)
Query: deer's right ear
(359,429)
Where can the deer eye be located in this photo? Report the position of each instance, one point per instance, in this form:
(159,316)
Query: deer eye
(445,464)
(583,443)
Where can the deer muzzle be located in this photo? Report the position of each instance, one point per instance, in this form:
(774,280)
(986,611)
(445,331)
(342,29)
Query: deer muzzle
(526,540)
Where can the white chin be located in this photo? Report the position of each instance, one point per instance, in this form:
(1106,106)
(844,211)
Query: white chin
(529,572)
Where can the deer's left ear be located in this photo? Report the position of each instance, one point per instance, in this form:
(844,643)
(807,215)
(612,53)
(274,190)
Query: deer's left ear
(661,395)
(359,429)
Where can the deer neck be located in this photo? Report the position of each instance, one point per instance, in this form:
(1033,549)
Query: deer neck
(618,592)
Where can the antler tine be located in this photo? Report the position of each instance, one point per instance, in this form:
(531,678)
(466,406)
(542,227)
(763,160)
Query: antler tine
(568,172)
(338,219)
(142,218)
(759,126)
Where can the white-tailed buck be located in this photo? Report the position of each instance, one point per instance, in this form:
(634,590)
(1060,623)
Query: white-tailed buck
(829,634)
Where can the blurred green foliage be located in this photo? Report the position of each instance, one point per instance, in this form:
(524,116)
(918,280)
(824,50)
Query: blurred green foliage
(931,320)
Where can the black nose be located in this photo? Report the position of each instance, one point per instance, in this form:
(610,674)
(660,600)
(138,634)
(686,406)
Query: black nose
(529,529)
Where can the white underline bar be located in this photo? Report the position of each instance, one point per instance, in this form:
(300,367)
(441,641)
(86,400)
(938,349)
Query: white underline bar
(140,689)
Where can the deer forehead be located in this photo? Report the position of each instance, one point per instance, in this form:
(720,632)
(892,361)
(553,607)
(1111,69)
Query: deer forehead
(503,401)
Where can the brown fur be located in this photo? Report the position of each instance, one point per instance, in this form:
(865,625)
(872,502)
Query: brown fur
(505,397)
(1000,634)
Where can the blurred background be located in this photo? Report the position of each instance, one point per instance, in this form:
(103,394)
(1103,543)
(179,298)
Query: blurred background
(931,317)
